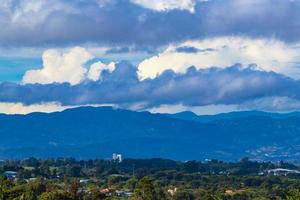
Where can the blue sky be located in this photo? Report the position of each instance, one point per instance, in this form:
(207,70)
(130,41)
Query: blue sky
(207,56)
(13,69)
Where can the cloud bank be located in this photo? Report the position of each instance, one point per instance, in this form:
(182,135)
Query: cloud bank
(196,87)
(143,23)
(182,76)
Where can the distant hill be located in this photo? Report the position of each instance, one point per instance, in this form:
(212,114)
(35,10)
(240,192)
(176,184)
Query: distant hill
(187,115)
(89,132)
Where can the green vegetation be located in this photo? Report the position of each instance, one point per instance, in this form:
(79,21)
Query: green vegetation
(147,179)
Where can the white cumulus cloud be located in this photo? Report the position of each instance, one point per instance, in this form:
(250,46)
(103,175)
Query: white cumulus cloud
(60,67)
(268,54)
(166,5)
(97,68)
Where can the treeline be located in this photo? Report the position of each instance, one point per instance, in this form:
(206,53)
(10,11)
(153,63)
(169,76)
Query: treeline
(71,167)
(145,179)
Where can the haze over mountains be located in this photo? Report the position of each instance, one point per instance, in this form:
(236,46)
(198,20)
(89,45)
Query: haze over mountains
(90,132)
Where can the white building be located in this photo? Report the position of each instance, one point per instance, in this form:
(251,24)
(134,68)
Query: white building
(117,157)
(281,171)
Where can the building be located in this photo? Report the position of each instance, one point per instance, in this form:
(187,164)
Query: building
(231,192)
(10,174)
(84,181)
(172,191)
(117,157)
(123,193)
(282,172)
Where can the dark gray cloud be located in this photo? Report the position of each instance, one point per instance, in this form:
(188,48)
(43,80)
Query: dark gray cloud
(118,50)
(232,85)
(126,49)
(187,49)
(64,22)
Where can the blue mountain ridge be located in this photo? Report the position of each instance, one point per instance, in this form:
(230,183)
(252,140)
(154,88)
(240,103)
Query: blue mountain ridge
(190,116)
(97,132)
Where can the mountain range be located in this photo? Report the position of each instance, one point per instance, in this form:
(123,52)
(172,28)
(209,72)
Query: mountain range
(97,132)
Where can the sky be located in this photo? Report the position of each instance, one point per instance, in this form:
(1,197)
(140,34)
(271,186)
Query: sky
(205,56)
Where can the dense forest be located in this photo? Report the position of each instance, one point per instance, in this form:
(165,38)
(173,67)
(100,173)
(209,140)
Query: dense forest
(147,179)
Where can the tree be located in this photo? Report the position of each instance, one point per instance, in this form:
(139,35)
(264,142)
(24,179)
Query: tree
(34,189)
(29,194)
(131,184)
(74,189)
(45,169)
(209,196)
(146,190)
(293,195)
(73,171)
(184,194)
(94,195)
(191,166)
(54,196)
(112,180)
